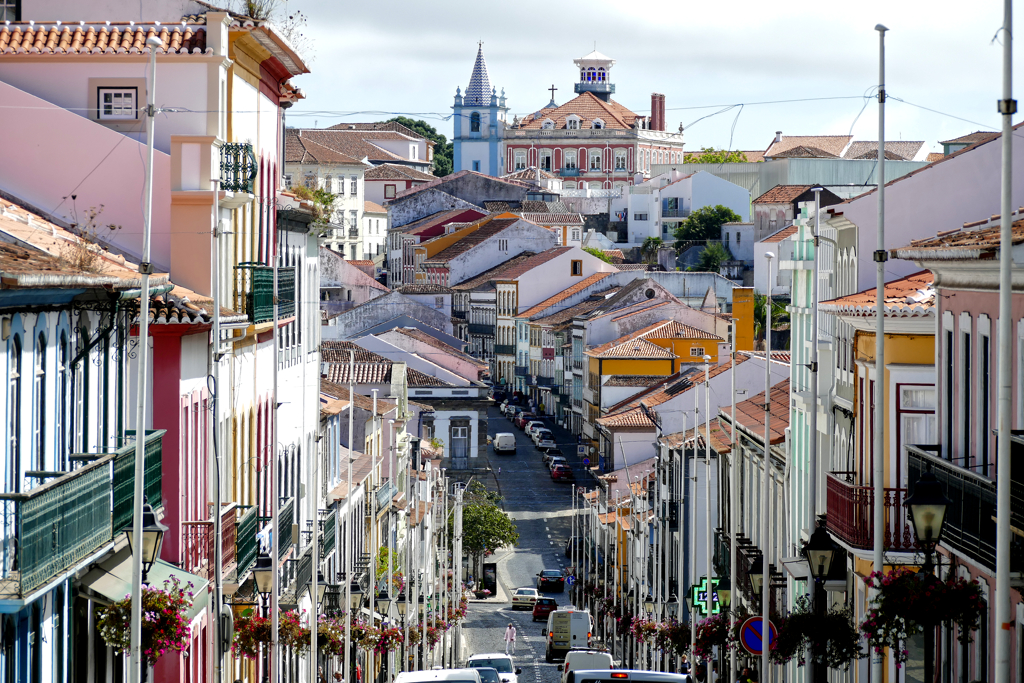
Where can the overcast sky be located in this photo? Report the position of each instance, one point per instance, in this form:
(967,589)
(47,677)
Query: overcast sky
(373,60)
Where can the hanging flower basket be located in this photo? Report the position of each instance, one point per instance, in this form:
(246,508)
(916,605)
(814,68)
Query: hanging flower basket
(434,635)
(330,635)
(907,601)
(715,630)
(291,633)
(415,635)
(643,630)
(388,639)
(164,620)
(673,636)
(364,635)
(833,638)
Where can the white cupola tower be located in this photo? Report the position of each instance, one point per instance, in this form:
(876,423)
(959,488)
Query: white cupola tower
(595,75)
(479,123)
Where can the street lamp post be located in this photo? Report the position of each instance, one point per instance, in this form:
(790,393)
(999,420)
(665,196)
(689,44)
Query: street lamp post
(928,515)
(263,575)
(819,551)
(354,603)
(403,607)
(152,540)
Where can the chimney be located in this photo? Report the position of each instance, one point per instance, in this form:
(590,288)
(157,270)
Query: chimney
(778,136)
(654,111)
(661,112)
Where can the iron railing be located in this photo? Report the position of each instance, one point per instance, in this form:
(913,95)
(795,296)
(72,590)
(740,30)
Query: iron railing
(480,328)
(544,381)
(124,477)
(237,167)
(461,315)
(198,543)
(504,349)
(254,291)
(850,514)
(330,536)
(246,545)
(569,172)
(520,371)
(592,86)
(284,527)
(353,233)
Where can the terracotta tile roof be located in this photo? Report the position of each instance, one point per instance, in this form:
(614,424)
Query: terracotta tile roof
(563,295)
(438,182)
(529,174)
(615,254)
(753,156)
(666,388)
(750,413)
(301,150)
(22,268)
(782,194)
(467,242)
(830,144)
(673,329)
(99,38)
(899,150)
(440,218)
(379,373)
(423,288)
(396,172)
(567,314)
(635,417)
(361,262)
(633,309)
(970,138)
(420,335)
(909,297)
(632,380)
(934,156)
(494,273)
(784,357)
(354,144)
(780,235)
(373,207)
(338,391)
(634,348)
(721,437)
(553,218)
(978,240)
(393,126)
(419,511)
(804,152)
(524,267)
(588,107)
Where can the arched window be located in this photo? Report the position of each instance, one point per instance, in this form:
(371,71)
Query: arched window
(590,73)
(548,124)
(600,74)
(597,123)
(474,122)
(39,409)
(63,387)
(14,415)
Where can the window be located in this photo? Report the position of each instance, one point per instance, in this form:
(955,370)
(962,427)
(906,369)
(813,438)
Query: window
(545,160)
(577,267)
(548,124)
(502,245)
(474,122)
(572,123)
(520,158)
(329,184)
(14,414)
(576,235)
(965,398)
(10,10)
(353,185)
(353,220)
(570,159)
(476,166)
(739,237)
(353,255)
(639,216)
(726,237)
(948,408)
(389,192)
(696,351)
(597,124)
(916,419)
(438,302)
(39,399)
(595,160)
(288,180)
(984,403)
(620,160)
(118,104)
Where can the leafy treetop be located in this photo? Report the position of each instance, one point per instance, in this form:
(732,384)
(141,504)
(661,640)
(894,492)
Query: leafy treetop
(706,223)
(710,155)
(443,150)
(598,254)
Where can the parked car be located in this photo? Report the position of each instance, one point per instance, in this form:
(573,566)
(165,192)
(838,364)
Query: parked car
(551,580)
(507,672)
(543,607)
(504,443)
(579,660)
(524,598)
(541,432)
(546,445)
(532,426)
(510,409)
(522,419)
(556,460)
(562,473)
(488,675)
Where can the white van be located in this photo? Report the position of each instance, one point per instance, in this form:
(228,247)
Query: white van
(438,675)
(567,629)
(578,660)
(504,444)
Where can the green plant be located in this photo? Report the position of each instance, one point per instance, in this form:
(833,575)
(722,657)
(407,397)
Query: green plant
(779,314)
(164,620)
(323,206)
(597,253)
(290,631)
(715,630)
(251,630)
(649,249)
(444,151)
(710,155)
(705,223)
(710,260)
(908,601)
(832,637)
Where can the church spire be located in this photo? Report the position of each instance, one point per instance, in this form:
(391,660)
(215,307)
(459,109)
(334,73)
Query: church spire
(478,92)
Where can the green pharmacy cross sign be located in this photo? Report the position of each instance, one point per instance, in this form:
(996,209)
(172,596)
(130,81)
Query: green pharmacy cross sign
(699,596)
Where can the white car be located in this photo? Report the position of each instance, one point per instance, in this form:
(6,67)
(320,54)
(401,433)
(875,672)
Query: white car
(556,460)
(524,598)
(502,663)
(532,425)
(540,433)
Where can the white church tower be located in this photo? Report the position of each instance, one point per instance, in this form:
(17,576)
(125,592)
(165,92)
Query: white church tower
(479,123)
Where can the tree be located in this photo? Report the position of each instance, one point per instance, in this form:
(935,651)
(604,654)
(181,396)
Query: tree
(706,223)
(444,151)
(649,249)
(710,155)
(779,315)
(485,527)
(710,260)
(323,206)
(597,253)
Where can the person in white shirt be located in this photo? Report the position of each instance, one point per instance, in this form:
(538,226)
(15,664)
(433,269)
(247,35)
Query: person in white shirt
(510,638)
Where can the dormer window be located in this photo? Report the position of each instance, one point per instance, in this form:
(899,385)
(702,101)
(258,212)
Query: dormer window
(572,122)
(548,124)
(598,123)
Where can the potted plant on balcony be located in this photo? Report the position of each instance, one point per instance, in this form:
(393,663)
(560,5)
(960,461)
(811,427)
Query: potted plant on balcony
(832,637)
(164,620)
(908,600)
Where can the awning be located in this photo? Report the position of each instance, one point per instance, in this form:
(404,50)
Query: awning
(111,580)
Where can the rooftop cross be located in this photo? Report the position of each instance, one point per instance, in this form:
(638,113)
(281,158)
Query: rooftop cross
(552,89)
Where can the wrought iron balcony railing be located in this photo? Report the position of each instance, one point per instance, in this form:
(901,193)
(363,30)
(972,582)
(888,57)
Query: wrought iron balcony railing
(543,381)
(246,545)
(198,543)
(569,172)
(237,167)
(480,328)
(254,291)
(520,371)
(504,349)
(461,315)
(850,514)
(353,233)
(124,477)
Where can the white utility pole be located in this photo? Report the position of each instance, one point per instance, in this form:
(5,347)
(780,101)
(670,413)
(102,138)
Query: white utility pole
(145,269)
(709,602)
(1003,615)
(766,478)
(734,484)
(878,428)
(349,531)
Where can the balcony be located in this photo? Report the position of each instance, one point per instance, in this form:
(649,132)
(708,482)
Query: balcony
(674,213)
(569,172)
(254,291)
(124,477)
(353,233)
(520,371)
(461,315)
(971,518)
(480,328)
(198,545)
(504,349)
(237,167)
(850,515)
(543,381)
(593,86)
(246,545)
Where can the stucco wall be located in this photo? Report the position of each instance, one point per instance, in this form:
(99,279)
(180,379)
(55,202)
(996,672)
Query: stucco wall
(382,309)
(405,210)
(518,238)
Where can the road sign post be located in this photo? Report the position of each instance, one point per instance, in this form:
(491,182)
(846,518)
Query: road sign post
(751,635)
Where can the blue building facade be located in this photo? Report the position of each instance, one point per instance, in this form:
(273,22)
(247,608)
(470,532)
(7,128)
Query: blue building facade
(479,123)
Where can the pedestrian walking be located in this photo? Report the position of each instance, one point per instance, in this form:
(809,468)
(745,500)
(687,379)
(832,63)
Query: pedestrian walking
(510,638)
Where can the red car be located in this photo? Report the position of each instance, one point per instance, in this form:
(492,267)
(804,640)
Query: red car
(562,473)
(522,419)
(543,607)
